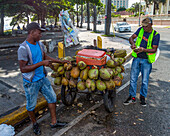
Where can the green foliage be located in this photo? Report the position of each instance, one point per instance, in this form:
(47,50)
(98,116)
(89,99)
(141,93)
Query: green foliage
(114,15)
(121,9)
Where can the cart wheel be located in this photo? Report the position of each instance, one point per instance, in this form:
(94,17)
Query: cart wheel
(68,95)
(109,100)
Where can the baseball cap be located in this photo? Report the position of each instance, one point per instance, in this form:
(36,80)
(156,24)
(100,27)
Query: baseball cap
(33,26)
(146,21)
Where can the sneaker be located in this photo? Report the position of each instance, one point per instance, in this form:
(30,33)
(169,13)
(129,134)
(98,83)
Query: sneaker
(130,100)
(36,129)
(58,124)
(142,101)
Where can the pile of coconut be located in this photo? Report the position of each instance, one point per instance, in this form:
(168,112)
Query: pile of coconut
(81,76)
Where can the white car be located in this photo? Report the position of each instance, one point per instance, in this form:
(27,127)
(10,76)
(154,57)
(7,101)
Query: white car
(122,27)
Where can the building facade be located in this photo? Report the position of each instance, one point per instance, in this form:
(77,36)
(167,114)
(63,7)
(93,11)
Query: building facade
(118,3)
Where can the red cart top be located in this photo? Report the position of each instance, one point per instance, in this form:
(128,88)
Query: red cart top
(91,53)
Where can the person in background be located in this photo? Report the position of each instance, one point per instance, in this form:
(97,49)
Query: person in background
(144,53)
(32,62)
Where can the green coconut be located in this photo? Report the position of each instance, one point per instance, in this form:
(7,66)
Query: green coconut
(57,81)
(64,81)
(90,84)
(61,70)
(54,74)
(84,74)
(82,65)
(105,74)
(101,86)
(120,53)
(54,66)
(81,85)
(93,73)
(110,85)
(72,83)
(67,74)
(118,69)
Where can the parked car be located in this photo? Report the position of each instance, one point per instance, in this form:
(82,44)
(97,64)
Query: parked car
(122,27)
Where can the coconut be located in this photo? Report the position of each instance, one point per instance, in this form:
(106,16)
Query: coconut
(67,66)
(117,63)
(101,86)
(93,73)
(54,66)
(67,74)
(110,85)
(118,69)
(54,74)
(81,85)
(60,70)
(117,81)
(69,58)
(111,63)
(111,72)
(120,53)
(120,76)
(123,68)
(90,84)
(82,65)
(57,81)
(64,81)
(105,74)
(72,83)
(84,74)
(75,72)
(121,60)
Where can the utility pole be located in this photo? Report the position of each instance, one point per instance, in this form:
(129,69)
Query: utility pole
(139,11)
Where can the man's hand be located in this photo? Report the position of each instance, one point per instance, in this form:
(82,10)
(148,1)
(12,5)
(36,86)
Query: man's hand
(133,46)
(65,61)
(138,50)
(46,62)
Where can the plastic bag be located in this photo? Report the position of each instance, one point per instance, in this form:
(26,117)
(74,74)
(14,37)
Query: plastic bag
(6,130)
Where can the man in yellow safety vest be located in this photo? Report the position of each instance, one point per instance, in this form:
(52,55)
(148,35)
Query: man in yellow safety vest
(144,53)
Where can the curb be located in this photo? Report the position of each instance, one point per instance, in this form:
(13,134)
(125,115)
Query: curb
(21,114)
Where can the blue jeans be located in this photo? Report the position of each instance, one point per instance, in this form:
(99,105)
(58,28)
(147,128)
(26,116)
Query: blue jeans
(32,89)
(143,66)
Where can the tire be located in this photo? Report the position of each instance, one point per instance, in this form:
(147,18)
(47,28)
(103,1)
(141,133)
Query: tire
(68,95)
(109,100)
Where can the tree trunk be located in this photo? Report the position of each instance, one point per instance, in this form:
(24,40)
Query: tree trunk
(77,16)
(81,25)
(94,18)
(88,16)
(2,21)
(108,18)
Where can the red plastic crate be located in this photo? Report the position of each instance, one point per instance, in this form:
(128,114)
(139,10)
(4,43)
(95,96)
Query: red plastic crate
(91,57)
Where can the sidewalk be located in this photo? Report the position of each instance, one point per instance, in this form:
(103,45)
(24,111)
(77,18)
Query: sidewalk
(12,97)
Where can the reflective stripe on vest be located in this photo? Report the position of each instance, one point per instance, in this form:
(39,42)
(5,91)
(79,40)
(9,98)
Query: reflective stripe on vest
(151,56)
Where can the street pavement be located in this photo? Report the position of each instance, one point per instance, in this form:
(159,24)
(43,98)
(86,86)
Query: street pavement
(12,95)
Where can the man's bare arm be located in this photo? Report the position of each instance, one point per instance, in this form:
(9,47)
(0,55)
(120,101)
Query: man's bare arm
(131,40)
(55,60)
(28,68)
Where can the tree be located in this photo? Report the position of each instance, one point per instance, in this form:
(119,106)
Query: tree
(135,6)
(121,9)
(108,17)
